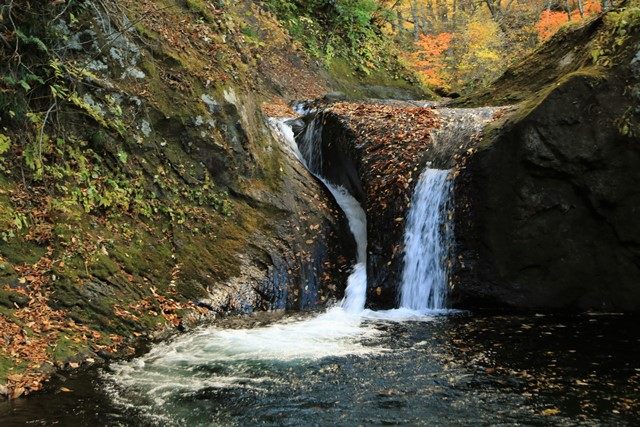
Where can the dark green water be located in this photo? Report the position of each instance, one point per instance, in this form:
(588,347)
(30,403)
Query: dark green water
(496,370)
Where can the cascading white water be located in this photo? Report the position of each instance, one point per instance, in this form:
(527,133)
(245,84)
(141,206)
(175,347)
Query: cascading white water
(428,238)
(356,292)
(215,358)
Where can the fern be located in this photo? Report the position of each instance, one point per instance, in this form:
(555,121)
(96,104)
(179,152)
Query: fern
(5,143)
(32,40)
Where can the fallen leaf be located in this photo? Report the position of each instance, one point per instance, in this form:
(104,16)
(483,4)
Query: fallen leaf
(17,392)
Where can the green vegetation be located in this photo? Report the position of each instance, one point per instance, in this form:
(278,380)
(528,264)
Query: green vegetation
(135,164)
(347,29)
(41,91)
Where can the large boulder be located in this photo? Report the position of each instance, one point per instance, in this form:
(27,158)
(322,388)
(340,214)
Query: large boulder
(548,209)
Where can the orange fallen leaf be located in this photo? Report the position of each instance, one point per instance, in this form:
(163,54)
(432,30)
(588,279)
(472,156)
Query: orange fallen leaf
(17,392)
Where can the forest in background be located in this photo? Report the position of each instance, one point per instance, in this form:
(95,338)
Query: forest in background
(454,45)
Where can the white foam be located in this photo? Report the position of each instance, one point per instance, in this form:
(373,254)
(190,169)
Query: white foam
(174,368)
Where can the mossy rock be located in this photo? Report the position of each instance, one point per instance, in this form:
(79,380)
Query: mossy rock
(11,299)
(8,275)
(20,251)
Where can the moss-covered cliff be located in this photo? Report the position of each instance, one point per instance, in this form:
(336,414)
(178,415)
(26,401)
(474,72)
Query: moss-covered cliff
(141,187)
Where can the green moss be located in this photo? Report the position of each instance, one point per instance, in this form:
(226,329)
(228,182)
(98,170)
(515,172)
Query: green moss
(9,366)
(66,348)
(147,256)
(181,105)
(150,322)
(212,259)
(66,294)
(271,161)
(8,276)
(10,299)
(199,7)
(146,32)
(19,251)
(7,213)
(103,267)
(594,75)
(389,82)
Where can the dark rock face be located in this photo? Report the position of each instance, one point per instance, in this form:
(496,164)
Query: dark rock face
(548,216)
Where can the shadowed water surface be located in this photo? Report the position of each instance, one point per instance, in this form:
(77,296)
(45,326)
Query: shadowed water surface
(581,370)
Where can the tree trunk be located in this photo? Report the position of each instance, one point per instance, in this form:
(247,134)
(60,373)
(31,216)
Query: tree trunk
(581,8)
(401,23)
(424,19)
(493,8)
(443,10)
(567,8)
(416,20)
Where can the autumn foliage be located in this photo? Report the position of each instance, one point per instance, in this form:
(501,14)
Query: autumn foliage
(551,21)
(429,57)
(461,45)
(466,58)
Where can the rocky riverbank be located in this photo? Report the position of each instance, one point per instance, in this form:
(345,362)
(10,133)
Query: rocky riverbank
(141,189)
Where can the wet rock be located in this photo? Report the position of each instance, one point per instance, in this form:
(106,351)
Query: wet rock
(547,214)
(334,97)
(377,150)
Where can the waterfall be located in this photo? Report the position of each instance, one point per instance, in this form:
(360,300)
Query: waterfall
(428,238)
(356,292)
(218,362)
(428,234)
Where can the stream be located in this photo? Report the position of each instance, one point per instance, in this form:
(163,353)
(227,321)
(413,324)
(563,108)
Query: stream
(419,364)
(470,370)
